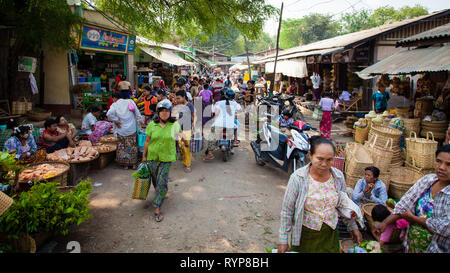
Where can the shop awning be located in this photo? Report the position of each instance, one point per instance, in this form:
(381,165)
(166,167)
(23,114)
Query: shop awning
(240,66)
(166,56)
(293,68)
(432,59)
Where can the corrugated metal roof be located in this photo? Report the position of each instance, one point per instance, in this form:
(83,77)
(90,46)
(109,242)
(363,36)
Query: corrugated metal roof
(353,38)
(432,59)
(300,54)
(439,32)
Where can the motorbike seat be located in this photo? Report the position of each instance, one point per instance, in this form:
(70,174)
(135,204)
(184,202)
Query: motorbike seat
(280,151)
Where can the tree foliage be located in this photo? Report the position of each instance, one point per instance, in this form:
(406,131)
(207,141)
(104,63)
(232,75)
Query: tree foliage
(160,20)
(315,27)
(39,21)
(310,28)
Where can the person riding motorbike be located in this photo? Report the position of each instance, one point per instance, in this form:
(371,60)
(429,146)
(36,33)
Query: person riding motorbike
(225,118)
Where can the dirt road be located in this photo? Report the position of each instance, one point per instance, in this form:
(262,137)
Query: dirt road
(219,207)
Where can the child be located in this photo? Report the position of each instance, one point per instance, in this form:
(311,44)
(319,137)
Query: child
(285,119)
(379,213)
(148,101)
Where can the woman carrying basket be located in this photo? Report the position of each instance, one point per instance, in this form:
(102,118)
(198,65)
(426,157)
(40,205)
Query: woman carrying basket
(426,206)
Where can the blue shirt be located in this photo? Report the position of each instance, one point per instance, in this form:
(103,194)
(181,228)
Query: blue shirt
(378,193)
(381,99)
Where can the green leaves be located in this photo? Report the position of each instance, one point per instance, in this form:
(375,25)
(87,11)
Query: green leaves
(45,209)
(160,20)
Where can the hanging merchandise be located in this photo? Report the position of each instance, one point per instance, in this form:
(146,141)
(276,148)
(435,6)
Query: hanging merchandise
(33,84)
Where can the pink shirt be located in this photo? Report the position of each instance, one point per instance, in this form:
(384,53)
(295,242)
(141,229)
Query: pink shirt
(326,104)
(400,224)
(206,95)
(320,205)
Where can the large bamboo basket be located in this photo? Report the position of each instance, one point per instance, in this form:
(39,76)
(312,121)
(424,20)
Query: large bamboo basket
(412,125)
(386,132)
(402,178)
(381,156)
(385,177)
(358,159)
(60,178)
(351,180)
(421,150)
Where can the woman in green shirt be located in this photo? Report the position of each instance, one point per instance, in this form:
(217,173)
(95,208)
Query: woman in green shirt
(160,151)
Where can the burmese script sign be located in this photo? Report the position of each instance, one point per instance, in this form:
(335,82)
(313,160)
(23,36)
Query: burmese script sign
(100,39)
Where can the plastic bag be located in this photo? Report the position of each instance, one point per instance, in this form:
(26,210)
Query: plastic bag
(131,106)
(142,172)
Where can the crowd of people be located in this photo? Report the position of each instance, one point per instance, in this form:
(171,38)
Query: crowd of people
(310,209)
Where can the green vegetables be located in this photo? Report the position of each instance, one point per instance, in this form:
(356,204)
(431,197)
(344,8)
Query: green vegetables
(142,172)
(46,209)
(371,246)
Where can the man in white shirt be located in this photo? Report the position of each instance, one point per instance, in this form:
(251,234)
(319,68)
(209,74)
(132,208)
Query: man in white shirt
(344,96)
(88,124)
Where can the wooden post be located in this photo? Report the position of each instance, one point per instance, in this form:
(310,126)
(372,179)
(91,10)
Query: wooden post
(272,84)
(248,59)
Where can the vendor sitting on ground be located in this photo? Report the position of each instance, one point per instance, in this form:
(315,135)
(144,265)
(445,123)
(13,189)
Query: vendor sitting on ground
(52,140)
(285,119)
(66,127)
(370,189)
(21,143)
(87,126)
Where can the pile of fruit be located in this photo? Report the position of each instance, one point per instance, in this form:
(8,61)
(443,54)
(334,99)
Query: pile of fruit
(40,172)
(74,155)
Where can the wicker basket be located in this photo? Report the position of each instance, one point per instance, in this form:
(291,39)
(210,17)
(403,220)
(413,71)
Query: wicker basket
(367,210)
(412,125)
(108,139)
(61,178)
(381,156)
(351,180)
(387,132)
(402,178)
(358,159)
(5,202)
(422,151)
(385,177)
(402,112)
(361,135)
(38,116)
(21,107)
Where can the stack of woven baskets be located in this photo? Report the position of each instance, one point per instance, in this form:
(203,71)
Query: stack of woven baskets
(384,134)
(357,158)
(438,128)
(411,125)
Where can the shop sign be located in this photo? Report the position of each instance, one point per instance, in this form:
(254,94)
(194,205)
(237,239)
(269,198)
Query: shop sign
(100,39)
(27,64)
(131,44)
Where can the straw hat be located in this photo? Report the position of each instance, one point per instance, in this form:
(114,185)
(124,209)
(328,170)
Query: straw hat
(5,202)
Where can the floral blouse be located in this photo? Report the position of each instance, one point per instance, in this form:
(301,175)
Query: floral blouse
(320,205)
(14,144)
(425,205)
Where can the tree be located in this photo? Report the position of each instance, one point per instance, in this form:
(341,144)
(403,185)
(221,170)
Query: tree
(162,19)
(39,21)
(388,14)
(309,29)
(356,21)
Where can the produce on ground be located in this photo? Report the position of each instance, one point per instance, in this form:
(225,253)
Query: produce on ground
(73,155)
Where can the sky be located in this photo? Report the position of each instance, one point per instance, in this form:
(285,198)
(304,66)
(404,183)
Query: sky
(299,8)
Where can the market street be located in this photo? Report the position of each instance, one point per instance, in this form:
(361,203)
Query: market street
(219,207)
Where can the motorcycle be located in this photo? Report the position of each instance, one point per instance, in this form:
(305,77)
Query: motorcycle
(282,104)
(226,145)
(288,154)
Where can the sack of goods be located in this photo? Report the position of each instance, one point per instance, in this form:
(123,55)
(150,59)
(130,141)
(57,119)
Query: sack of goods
(142,183)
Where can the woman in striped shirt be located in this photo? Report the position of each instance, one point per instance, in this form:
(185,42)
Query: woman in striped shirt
(426,206)
(309,206)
